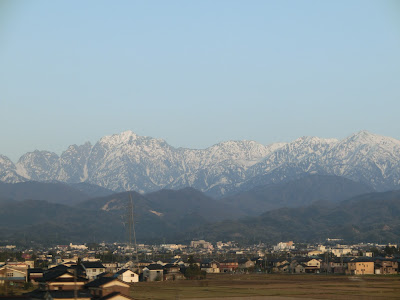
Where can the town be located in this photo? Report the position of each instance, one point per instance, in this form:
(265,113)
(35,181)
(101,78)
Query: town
(111,271)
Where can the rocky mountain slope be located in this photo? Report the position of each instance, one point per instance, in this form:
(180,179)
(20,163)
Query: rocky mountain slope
(127,161)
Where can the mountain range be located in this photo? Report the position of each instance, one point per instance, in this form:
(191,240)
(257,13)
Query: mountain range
(126,161)
(188,214)
(371,217)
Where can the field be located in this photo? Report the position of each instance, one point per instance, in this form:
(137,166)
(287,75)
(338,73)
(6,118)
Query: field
(267,286)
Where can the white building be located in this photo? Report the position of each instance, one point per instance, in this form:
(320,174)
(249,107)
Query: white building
(126,275)
(284,246)
(201,244)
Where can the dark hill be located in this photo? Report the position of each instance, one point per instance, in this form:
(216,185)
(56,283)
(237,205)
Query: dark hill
(372,217)
(295,193)
(55,192)
(166,212)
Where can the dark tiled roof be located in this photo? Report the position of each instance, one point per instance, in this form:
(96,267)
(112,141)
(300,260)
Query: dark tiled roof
(171,266)
(53,274)
(99,281)
(37,294)
(92,265)
(105,274)
(35,270)
(69,294)
(57,268)
(362,259)
(154,267)
(110,296)
(122,271)
(49,276)
(206,261)
(15,297)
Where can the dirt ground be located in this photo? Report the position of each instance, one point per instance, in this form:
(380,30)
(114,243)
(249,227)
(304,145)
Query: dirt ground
(272,286)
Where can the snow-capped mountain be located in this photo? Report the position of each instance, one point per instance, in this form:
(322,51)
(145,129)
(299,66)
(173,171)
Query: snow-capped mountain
(8,172)
(127,161)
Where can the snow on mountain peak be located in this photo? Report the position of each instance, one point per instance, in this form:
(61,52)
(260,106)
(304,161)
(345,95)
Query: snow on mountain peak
(314,140)
(128,161)
(124,137)
(366,137)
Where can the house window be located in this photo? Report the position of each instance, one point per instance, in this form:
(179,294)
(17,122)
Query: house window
(10,275)
(94,270)
(132,275)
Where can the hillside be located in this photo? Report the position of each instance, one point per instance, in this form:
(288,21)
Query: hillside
(55,192)
(371,217)
(298,192)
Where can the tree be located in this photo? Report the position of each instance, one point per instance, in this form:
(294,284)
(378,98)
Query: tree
(194,271)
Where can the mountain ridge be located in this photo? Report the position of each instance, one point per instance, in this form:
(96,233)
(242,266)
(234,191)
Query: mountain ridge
(127,161)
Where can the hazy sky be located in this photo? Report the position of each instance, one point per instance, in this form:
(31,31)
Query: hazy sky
(196,72)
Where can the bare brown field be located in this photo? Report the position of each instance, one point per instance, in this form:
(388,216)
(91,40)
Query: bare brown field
(272,286)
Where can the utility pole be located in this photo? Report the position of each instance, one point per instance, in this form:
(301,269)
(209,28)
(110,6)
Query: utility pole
(75,284)
(132,229)
(6,281)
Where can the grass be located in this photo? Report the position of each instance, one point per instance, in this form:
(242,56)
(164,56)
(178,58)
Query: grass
(265,286)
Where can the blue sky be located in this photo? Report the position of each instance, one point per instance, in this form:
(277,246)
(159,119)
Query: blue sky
(196,72)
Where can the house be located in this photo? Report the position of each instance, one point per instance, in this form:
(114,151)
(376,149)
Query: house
(228,265)
(245,263)
(12,275)
(111,267)
(360,267)
(144,262)
(299,268)
(153,272)
(61,280)
(127,275)
(177,261)
(172,272)
(275,265)
(386,266)
(106,286)
(336,266)
(58,295)
(116,296)
(210,266)
(66,295)
(285,268)
(312,266)
(34,274)
(92,269)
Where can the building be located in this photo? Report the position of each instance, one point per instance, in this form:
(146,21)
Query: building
(93,269)
(201,244)
(127,275)
(61,280)
(106,286)
(360,267)
(172,272)
(153,272)
(228,265)
(12,275)
(284,246)
(210,266)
